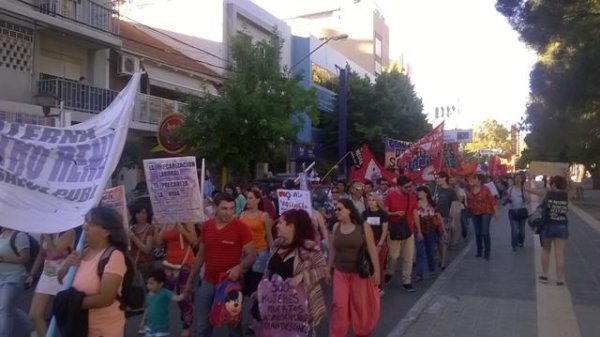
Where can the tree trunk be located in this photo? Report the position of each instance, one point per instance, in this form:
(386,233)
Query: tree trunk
(595,172)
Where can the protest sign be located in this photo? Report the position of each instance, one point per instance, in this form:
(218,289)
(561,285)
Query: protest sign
(283,309)
(174,189)
(294,199)
(115,199)
(51,177)
(393,149)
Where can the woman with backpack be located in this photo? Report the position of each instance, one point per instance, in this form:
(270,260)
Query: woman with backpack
(517,199)
(14,254)
(103,230)
(54,249)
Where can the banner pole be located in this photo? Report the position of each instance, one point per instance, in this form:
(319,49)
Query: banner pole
(67,284)
(334,166)
(202,178)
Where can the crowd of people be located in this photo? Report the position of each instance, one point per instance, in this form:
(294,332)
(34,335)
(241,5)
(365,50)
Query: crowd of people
(383,225)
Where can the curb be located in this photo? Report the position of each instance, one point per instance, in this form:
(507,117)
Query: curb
(415,312)
(586,217)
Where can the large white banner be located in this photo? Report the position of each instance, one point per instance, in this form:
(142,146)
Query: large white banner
(51,177)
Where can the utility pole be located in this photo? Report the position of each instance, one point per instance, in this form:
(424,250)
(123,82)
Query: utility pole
(342,120)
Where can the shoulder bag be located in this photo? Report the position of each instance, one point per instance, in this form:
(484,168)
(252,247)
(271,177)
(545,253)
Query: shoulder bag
(364,265)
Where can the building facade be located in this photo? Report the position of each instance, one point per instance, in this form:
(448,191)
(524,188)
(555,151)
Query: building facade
(362,20)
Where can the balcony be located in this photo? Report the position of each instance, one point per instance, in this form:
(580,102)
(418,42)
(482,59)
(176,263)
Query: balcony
(87,99)
(104,17)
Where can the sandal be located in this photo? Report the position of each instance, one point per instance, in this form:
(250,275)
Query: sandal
(543,278)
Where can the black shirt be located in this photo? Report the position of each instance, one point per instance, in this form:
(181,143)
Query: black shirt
(285,269)
(376,220)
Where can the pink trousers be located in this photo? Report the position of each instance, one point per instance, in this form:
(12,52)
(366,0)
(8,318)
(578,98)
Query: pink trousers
(355,302)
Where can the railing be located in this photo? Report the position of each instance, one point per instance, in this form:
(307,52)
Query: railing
(85,98)
(76,96)
(104,17)
(151,109)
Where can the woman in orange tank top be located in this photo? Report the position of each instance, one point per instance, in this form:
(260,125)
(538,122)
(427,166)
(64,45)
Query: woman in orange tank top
(179,241)
(260,225)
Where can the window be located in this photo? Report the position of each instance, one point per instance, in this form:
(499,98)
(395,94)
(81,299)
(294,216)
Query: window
(16,47)
(378,67)
(378,47)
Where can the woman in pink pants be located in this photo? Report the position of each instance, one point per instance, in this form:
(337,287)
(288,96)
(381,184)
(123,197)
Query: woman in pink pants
(355,299)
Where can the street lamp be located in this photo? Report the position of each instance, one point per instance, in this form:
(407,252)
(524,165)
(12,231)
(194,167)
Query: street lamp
(325,41)
(47,101)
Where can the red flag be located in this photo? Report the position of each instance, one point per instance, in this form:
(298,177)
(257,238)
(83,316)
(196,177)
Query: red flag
(368,168)
(423,159)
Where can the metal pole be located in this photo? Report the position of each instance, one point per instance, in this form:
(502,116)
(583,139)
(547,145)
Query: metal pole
(342,120)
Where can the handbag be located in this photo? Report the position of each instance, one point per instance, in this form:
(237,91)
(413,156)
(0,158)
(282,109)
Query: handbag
(537,219)
(364,266)
(399,230)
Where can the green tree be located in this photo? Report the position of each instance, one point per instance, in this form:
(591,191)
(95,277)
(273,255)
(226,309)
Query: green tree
(563,117)
(259,109)
(388,108)
(490,135)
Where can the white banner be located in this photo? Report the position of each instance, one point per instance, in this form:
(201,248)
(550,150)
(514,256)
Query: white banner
(51,177)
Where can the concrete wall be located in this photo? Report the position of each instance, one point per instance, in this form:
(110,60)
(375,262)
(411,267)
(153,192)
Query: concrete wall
(63,58)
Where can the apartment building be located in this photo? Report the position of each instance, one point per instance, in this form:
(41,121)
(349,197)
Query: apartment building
(362,20)
(63,61)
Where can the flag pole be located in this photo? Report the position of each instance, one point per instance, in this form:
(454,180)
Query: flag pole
(334,166)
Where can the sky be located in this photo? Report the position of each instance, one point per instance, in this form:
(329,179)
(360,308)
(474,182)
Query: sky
(462,52)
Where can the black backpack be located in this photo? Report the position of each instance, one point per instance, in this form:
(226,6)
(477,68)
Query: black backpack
(133,292)
(34,249)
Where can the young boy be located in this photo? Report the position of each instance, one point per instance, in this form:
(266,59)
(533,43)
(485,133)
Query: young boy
(157,304)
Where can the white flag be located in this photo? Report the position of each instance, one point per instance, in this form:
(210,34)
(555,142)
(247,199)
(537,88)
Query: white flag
(51,177)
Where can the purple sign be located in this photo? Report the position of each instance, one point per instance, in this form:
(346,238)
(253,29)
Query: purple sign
(283,309)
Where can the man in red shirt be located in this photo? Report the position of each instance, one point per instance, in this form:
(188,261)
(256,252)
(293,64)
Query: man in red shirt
(401,205)
(222,241)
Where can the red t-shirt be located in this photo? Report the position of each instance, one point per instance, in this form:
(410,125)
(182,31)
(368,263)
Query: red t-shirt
(396,201)
(482,202)
(222,247)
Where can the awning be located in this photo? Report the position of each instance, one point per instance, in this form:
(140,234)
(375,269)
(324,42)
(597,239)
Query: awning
(169,79)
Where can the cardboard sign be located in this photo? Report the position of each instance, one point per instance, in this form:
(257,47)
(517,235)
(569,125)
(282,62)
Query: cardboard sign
(283,309)
(294,199)
(115,199)
(546,168)
(174,189)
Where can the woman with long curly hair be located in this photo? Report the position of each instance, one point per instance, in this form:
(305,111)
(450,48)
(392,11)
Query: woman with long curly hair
(297,257)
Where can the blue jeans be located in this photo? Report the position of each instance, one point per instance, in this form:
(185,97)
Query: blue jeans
(13,321)
(426,253)
(204,297)
(517,230)
(481,222)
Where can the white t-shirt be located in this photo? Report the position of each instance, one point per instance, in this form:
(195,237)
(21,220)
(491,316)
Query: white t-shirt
(516,196)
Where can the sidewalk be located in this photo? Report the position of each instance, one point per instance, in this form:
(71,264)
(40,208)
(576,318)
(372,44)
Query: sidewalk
(503,298)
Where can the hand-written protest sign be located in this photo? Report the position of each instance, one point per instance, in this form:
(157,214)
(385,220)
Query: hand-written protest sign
(115,198)
(283,309)
(51,177)
(174,189)
(294,199)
